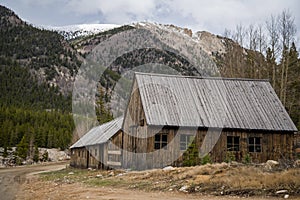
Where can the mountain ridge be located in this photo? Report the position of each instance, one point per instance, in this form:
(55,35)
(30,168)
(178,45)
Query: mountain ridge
(80,30)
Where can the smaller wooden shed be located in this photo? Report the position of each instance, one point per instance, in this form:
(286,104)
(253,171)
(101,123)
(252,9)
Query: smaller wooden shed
(99,148)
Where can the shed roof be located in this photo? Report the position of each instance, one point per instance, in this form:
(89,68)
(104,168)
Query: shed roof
(100,134)
(211,102)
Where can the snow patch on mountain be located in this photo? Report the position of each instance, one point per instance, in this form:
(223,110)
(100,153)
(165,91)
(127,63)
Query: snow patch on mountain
(78,30)
(208,42)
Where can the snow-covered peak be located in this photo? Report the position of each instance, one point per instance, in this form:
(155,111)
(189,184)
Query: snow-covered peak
(77,30)
(85,27)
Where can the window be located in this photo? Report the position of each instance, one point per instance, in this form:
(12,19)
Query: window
(142,122)
(233,143)
(114,158)
(160,141)
(254,144)
(185,141)
(96,151)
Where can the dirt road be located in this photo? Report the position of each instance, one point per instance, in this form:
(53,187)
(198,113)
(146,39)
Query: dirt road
(12,178)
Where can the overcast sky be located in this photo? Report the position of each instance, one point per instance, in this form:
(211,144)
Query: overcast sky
(210,15)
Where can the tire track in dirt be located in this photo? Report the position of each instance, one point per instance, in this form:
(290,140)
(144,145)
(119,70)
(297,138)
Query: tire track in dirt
(12,178)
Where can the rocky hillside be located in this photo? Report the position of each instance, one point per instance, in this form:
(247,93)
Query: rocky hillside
(46,54)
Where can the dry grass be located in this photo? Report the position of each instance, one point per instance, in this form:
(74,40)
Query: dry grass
(212,178)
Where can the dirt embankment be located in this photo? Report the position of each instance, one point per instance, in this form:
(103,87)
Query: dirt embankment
(50,190)
(216,182)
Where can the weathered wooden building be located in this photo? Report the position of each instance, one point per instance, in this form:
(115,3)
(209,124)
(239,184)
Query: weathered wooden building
(224,118)
(170,120)
(100,148)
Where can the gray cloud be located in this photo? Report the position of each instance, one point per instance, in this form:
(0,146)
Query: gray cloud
(210,15)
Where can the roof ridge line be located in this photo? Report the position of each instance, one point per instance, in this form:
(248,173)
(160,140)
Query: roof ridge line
(201,77)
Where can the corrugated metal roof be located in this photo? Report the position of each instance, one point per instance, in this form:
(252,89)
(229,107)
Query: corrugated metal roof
(100,134)
(212,102)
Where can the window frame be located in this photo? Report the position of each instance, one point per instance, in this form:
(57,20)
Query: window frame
(256,145)
(233,145)
(188,140)
(161,141)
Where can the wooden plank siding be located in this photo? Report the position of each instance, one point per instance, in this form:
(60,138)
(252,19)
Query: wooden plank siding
(114,151)
(133,127)
(79,157)
(274,145)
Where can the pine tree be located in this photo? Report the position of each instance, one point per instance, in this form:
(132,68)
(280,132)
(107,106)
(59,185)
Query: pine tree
(45,156)
(36,155)
(271,67)
(5,153)
(293,85)
(103,114)
(22,148)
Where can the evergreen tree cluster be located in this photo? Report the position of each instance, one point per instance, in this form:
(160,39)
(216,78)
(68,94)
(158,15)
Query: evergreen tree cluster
(32,112)
(20,88)
(23,127)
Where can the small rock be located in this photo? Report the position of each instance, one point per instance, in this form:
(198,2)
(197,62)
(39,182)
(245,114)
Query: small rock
(184,188)
(99,176)
(286,196)
(234,163)
(168,168)
(281,191)
(71,173)
(270,164)
(90,169)
(297,163)
(111,174)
